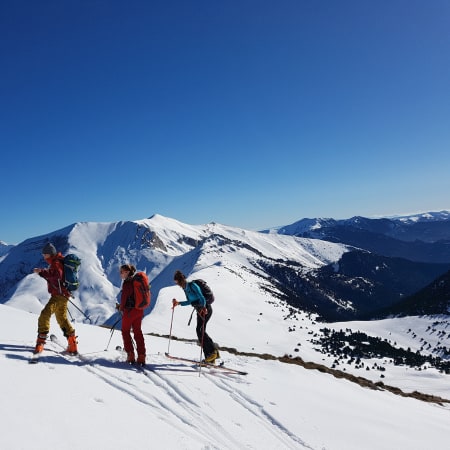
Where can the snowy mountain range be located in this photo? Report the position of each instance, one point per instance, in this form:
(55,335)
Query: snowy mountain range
(273,292)
(420,237)
(159,246)
(332,280)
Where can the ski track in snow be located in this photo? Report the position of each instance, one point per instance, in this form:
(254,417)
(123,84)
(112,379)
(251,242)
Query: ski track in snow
(213,427)
(154,390)
(127,383)
(258,410)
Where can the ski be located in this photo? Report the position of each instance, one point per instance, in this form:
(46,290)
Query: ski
(208,365)
(36,357)
(150,367)
(131,365)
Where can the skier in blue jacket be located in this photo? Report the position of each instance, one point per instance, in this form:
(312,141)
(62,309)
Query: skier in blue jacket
(195,298)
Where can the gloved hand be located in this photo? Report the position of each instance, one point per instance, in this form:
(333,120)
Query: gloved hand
(175,302)
(202,312)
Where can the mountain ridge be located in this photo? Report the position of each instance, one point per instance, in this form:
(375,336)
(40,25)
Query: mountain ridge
(336,281)
(421,238)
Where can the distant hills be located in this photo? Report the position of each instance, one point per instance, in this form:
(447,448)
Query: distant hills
(421,238)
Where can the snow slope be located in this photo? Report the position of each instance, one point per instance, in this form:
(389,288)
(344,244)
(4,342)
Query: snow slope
(98,402)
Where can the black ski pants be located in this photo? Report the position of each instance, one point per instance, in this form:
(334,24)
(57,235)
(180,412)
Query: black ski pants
(203,337)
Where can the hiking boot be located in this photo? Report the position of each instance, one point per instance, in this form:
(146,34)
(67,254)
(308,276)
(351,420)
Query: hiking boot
(130,358)
(40,342)
(72,344)
(141,360)
(211,358)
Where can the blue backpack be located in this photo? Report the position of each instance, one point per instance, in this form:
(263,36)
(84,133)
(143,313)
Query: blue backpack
(71,264)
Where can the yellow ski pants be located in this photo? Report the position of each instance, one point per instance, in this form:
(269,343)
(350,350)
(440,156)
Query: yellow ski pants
(57,305)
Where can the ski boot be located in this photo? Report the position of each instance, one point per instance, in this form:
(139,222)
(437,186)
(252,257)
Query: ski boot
(40,342)
(211,358)
(141,360)
(72,344)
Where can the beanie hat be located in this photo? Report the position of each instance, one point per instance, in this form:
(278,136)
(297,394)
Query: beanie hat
(49,249)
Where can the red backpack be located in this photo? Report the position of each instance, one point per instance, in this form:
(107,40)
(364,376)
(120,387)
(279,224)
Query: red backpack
(142,294)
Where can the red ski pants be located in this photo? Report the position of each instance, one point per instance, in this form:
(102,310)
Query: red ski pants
(132,320)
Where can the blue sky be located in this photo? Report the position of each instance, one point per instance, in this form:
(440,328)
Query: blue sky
(247,113)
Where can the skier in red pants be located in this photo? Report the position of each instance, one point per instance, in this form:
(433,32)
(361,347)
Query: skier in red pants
(131,317)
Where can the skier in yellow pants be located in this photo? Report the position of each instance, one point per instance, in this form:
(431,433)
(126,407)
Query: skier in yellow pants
(57,303)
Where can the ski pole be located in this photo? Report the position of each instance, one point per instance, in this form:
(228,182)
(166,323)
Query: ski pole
(190,318)
(82,312)
(113,328)
(70,314)
(170,332)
